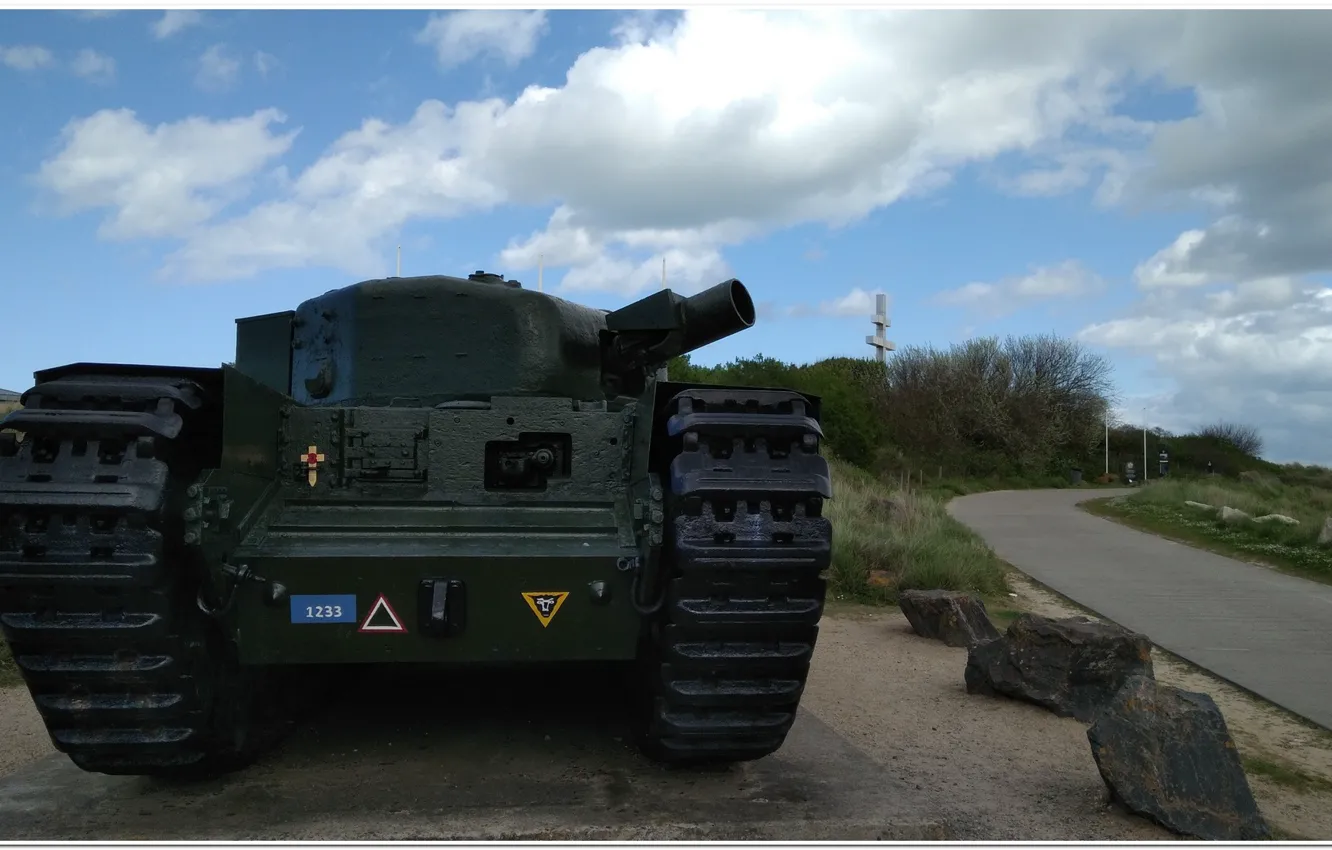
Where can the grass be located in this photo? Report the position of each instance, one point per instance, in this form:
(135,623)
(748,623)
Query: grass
(1000,613)
(1286,775)
(1159,508)
(887,539)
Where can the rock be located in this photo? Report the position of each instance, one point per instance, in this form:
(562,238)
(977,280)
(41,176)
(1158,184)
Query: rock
(1167,755)
(1070,666)
(1199,505)
(1325,536)
(957,619)
(1229,514)
(1277,518)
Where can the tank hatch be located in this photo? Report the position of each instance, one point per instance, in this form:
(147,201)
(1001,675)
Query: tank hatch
(490,277)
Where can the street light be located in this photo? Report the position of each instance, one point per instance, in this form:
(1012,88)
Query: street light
(1107,440)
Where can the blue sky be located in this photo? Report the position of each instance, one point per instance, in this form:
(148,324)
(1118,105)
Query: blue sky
(1053,180)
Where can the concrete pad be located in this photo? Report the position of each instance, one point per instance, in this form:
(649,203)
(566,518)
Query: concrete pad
(465,757)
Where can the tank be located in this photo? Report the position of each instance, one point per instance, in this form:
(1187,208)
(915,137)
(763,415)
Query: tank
(427,470)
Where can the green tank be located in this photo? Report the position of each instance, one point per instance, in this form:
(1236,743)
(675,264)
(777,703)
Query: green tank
(440,470)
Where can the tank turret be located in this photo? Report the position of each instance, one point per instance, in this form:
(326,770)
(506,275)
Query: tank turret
(430,340)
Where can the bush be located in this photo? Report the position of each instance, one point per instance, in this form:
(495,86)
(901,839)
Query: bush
(1016,410)
(1242,438)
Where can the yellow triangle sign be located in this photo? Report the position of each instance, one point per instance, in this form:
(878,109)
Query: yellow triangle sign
(546,604)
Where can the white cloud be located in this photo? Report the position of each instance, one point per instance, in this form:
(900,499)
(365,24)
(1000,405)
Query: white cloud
(1069,169)
(1256,155)
(163,180)
(1258,353)
(1069,279)
(26,57)
(1169,267)
(695,133)
(643,25)
(858,302)
(94,66)
(725,126)
(218,69)
(460,37)
(1234,313)
(337,211)
(264,63)
(175,20)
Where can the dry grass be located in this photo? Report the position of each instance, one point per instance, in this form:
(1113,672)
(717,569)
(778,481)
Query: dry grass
(886,539)
(1257,495)
(1159,508)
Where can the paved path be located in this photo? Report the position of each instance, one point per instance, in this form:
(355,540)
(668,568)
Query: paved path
(1262,630)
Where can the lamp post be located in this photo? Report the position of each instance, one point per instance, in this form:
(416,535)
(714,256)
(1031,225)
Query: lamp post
(1144,443)
(1107,439)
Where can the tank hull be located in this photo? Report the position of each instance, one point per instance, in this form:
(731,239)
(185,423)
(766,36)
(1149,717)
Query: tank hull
(398,502)
(173,542)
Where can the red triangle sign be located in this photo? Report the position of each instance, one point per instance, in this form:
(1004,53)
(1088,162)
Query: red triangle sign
(393,626)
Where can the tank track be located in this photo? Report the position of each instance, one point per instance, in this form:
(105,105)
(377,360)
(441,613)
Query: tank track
(98,593)
(746,548)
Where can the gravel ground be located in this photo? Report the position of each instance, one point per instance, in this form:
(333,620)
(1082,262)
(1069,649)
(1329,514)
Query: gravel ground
(885,713)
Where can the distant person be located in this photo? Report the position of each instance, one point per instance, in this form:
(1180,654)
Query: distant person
(1209,467)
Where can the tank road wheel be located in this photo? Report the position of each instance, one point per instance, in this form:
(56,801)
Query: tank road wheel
(724,663)
(98,590)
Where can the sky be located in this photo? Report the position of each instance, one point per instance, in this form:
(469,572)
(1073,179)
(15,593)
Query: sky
(1156,185)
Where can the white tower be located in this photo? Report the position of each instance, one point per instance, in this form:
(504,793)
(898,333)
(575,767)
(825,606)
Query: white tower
(880,343)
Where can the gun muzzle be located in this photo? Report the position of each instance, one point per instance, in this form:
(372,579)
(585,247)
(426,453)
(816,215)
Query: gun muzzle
(715,313)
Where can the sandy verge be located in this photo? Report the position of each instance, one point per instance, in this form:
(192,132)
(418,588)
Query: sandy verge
(1001,769)
(1259,728)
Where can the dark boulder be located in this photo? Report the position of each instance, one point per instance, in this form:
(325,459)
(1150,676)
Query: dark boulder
(956,618)
(1071,666)
(1167,755)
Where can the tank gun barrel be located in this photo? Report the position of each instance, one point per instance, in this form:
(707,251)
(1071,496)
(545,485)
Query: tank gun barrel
(644,335)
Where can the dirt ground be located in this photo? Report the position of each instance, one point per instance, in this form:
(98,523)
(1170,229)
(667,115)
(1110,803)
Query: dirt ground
(887,731)
(1302,811)
(22,738)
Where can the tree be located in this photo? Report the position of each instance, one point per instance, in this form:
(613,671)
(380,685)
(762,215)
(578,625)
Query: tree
(1244,438)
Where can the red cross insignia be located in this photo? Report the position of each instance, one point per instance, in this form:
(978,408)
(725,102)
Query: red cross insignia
(313,457)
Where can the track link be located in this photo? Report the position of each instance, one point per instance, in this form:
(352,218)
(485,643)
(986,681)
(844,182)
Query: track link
(97,590)
(745,555)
